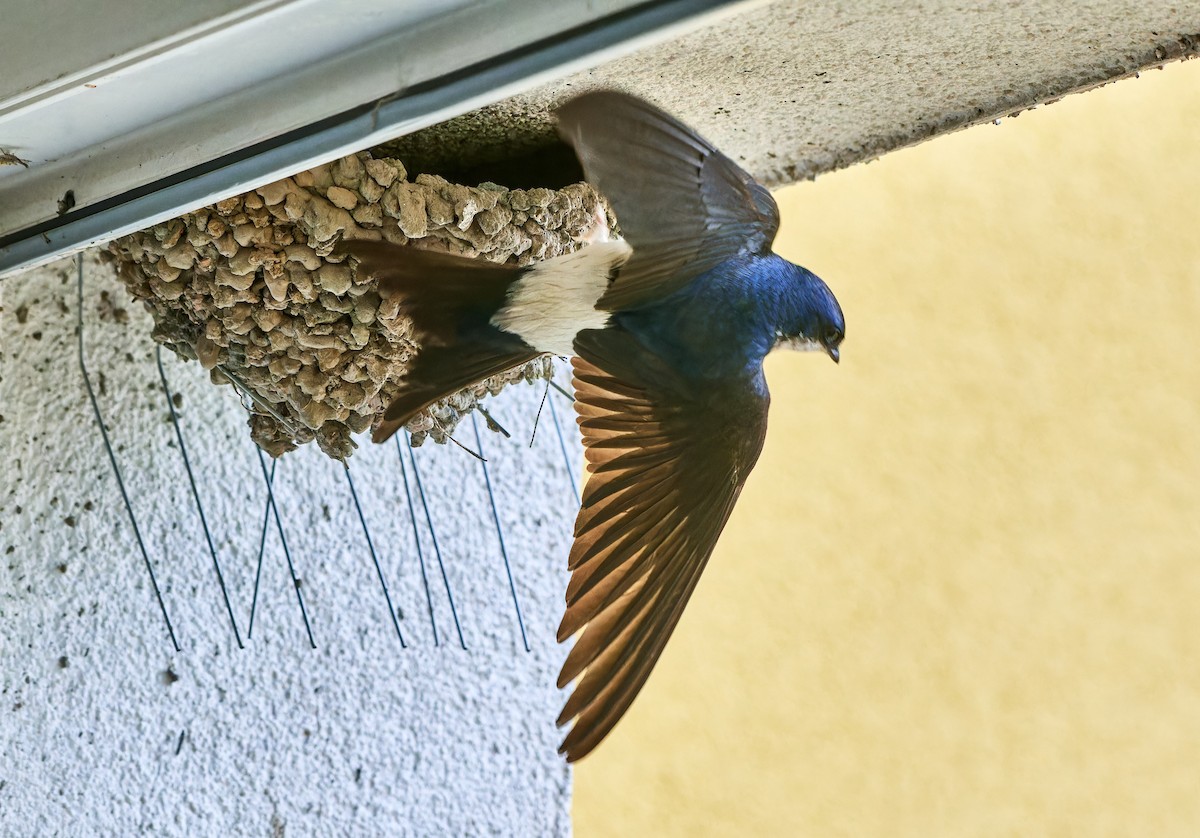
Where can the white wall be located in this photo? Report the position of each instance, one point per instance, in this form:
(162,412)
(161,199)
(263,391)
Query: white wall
(357,736)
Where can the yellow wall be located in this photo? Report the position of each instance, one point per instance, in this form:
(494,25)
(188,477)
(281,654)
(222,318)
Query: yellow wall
(961,593)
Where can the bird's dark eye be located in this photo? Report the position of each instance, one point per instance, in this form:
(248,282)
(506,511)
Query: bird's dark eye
(832,337)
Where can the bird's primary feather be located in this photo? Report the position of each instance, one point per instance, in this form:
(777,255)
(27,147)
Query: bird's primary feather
(669,330)
(684,207)
(667,458)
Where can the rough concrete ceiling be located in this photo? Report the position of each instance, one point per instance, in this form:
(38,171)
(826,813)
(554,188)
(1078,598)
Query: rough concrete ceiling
(793,89)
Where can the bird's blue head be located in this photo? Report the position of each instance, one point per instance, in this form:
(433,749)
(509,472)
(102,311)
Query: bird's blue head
(810,316)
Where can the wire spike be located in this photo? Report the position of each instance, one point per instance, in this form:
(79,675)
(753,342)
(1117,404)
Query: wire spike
(450,437)
(250,399)
(492,424)
(287,554)
(433,535)
(262,545)
(112,459)
(560,389)
(562,444)
(412,517)
(537,419)
(500,536)
(374,558)
(187,466)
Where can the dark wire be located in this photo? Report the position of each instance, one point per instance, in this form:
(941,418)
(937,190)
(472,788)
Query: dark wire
(287,554)
(433,535)
(412,517)
(112,459)
(500,534)
(374,558)
(187,466)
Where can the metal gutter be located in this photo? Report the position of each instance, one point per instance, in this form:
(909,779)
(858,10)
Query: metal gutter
(128,182)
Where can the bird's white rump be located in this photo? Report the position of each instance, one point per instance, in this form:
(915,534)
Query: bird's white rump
(556,299)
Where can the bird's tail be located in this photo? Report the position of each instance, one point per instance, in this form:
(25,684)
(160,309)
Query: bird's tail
(451,301)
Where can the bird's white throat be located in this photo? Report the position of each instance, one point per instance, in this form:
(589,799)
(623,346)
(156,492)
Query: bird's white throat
(556,299)
(797,343)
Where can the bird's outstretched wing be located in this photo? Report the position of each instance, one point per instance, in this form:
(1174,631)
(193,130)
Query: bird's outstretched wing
(668,457)
(683,206)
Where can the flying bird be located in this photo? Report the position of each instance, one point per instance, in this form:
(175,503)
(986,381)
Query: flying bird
(668,327)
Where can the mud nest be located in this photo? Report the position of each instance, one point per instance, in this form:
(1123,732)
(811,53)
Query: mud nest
(253,289)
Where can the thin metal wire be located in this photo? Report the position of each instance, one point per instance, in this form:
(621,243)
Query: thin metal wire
(433,534)
(500,535)
(560,389)
(450,438)
(262,465)
(374,558)
(112,459)
(492,424)
(537,419)
(562,444)
(246,394)
(187,466)
(412,517)
(262,547)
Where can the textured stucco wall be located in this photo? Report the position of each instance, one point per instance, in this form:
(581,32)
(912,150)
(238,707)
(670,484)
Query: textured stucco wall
(959,594)
(356,737)
(794,88)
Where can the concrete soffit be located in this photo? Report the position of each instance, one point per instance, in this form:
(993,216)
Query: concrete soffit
(794,88)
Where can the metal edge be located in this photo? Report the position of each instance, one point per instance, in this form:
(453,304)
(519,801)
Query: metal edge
(365,125)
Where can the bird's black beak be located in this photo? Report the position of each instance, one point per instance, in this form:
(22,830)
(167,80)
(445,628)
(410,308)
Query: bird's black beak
(834,354)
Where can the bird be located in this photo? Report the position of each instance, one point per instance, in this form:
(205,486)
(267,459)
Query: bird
(667,326)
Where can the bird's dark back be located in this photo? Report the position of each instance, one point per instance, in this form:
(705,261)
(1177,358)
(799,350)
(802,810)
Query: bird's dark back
(723,323)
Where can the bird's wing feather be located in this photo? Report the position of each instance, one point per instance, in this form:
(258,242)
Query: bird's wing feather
(441,371)
(450,301)
(683,206)
(668,458)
